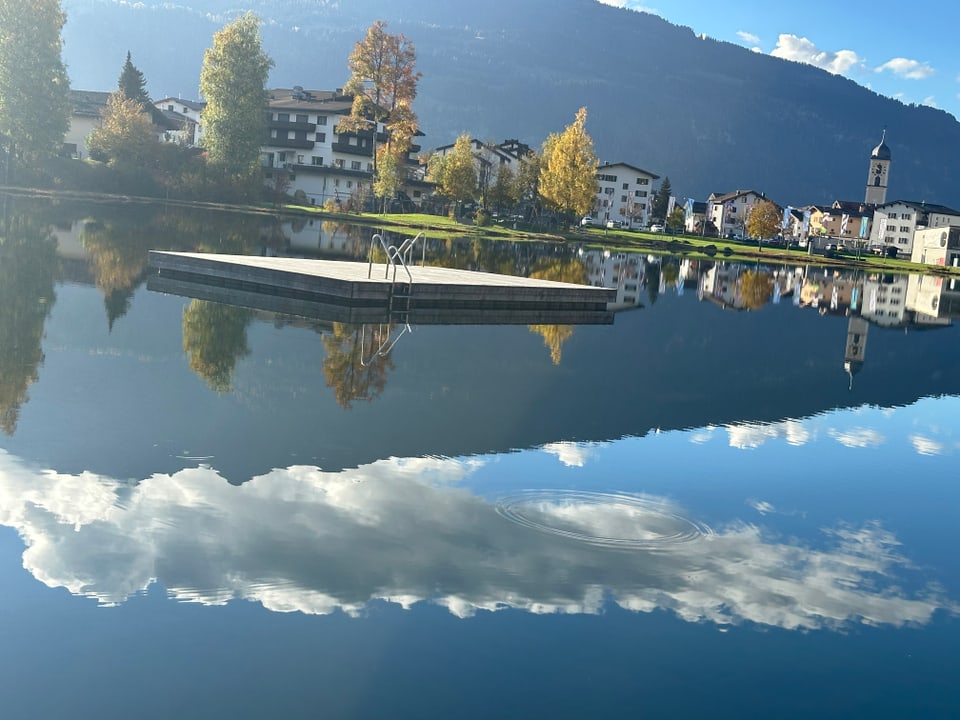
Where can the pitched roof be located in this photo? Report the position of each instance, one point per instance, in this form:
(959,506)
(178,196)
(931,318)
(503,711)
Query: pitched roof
(195,105)
(296,98)
(629,167)
(88,103)
(923,207)
(724,197)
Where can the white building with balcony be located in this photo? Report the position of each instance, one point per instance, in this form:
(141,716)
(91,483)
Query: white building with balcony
(625,195)
(895,223)
(303,144)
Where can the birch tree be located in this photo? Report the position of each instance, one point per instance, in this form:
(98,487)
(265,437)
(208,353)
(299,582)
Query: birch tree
(568,169)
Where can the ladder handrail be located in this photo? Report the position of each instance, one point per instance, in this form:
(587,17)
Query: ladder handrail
(397,254)
(386,270)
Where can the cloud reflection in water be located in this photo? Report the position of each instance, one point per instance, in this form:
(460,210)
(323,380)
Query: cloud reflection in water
(300,539)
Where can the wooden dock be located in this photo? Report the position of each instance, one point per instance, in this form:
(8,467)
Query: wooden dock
(356,292)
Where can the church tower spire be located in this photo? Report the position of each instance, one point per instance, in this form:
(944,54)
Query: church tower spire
(878,174)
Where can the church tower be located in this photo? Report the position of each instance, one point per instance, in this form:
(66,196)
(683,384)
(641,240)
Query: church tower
(879,173)
(855,352)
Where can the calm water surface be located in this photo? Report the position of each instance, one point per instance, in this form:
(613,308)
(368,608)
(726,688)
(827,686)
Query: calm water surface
(738,500)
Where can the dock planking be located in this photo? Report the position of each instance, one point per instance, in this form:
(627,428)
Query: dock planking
(358,292)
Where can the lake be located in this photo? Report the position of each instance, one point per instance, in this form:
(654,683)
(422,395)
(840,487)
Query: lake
(738,499)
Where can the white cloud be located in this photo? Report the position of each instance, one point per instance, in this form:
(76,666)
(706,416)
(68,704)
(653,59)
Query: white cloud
(910,69)
(748,38)
(762,506)
(752,435)
(798,49)
(570,454)
(639,7)
(300,539)
(926,446)
(858,437)
(929,101)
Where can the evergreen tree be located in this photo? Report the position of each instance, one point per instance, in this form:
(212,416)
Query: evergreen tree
(232,81)
(568,169)
(661,200)
(34,99)
(132,83)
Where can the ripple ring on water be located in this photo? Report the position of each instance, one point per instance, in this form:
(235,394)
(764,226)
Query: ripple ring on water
(609,520)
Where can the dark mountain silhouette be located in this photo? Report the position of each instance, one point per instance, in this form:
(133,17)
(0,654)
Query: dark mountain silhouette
(712,116)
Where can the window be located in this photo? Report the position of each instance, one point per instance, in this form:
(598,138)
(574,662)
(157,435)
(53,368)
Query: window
(291,134)
(626,186)
(369,167)
(903,241)
(623,198)
(608,191)
(299,159)
(336,182)
(904,228)
(321,137)
(283,117)
(349,184)
(302,119)
(170,108)
(643,181)
(355,165)
(282,157)
(316,160)
(639,193)
(273,133)
(321,119)
(338,162)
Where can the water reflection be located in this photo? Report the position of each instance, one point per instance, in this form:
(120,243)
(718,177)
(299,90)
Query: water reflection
(408,531)
(28,270)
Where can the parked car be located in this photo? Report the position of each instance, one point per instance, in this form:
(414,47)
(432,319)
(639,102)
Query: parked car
(656,228)
(586,221)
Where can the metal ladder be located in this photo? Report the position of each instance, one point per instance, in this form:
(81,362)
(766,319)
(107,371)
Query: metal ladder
(396,255)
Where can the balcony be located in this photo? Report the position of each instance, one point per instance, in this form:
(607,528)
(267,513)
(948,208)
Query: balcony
(289,125)
(342,147)
(288,143)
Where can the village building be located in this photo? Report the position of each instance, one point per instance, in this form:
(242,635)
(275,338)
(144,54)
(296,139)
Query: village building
(625,195)
(895,223)
(729,211)
(186,115)
(85,115)
(305,150)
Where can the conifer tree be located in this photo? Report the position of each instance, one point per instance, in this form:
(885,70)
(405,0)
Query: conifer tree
(132,83)
(661,200)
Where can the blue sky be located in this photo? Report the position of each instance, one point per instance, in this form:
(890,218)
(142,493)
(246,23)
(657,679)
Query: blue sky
(899,50)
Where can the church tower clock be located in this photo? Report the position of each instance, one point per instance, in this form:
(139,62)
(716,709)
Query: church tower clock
(879,173)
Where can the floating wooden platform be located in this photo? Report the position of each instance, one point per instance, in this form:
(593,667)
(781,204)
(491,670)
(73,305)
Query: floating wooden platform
(343,292)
